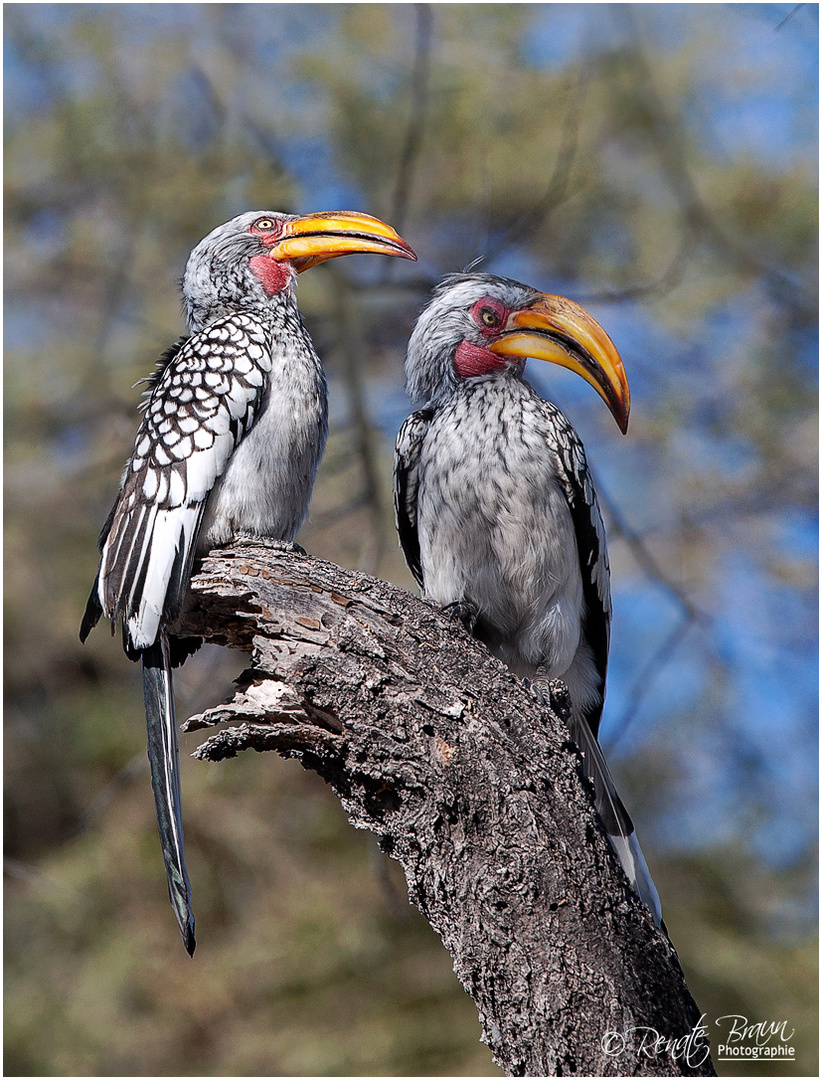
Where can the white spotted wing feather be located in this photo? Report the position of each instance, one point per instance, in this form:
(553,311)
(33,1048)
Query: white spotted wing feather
(198,409)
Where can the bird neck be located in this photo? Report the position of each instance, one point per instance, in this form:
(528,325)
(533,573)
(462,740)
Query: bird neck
(271,309)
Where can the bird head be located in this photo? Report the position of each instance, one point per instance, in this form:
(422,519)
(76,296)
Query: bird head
(478,325)
(256,256)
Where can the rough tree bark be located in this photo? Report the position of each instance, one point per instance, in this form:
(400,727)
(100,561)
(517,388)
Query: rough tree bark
(474,786)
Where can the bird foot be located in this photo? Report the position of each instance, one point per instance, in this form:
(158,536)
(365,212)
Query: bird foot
(538,691)
(289,545)
(270,542)
(464,611)
(553,693)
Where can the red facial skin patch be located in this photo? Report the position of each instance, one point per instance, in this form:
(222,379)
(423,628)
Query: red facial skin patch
(274,275)
(489,305)
(472,360)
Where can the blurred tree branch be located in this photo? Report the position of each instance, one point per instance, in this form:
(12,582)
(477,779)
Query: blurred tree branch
(416,120)
(788,17)
(348,344)
(559,188)
(666,133)
(476,792)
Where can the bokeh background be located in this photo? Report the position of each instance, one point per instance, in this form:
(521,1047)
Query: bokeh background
(657,163)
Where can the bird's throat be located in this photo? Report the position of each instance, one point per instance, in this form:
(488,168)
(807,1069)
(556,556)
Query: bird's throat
(472,360)
(273,275)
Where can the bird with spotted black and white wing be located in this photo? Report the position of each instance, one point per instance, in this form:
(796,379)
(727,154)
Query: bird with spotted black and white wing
(234,426)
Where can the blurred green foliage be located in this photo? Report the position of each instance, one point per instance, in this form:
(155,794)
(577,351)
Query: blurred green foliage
(656,162)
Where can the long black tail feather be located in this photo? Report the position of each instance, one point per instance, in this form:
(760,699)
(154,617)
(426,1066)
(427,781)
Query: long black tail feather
(615,817)
(165,780)
(94,609)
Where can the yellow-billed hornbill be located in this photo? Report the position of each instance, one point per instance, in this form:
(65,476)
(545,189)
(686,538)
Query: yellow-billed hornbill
(234,426)
(496,510)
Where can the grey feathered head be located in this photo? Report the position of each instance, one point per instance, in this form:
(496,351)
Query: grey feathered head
(451,318)
(482,326)
(218,278)
(253,259)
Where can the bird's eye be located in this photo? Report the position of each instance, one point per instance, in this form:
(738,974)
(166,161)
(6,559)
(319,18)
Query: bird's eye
(489,317)
(264,224)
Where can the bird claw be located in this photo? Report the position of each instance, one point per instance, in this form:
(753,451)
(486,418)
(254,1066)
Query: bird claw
(270,542)
(535,689)
(289,545)
(464,611)
(552,693)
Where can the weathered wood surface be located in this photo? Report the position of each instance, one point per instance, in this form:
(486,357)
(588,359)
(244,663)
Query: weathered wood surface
(474,787)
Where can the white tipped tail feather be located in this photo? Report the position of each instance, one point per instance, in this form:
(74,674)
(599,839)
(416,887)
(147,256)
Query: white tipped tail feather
(163,756)
(615,818)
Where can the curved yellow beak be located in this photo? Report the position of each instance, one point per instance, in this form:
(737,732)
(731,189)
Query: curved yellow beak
(561,332)
(310,240)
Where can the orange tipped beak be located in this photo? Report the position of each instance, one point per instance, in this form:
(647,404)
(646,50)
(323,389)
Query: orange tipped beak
(308,241)
(561,332)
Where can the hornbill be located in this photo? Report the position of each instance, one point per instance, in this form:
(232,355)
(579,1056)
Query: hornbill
(495,506)
(234,424)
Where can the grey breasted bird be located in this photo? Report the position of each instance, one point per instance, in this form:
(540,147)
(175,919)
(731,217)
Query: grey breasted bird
(234,426)
(496,511)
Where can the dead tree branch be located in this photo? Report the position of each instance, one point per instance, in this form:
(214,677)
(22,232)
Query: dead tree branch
(474,787)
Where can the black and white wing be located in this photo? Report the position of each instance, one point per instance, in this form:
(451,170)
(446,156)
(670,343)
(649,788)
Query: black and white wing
(202,401)
(575,478)
(406,483)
